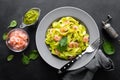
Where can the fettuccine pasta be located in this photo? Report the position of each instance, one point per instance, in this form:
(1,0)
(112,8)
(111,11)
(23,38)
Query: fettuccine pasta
(77,38)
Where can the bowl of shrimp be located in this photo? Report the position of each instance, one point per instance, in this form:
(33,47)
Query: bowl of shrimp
(17,40)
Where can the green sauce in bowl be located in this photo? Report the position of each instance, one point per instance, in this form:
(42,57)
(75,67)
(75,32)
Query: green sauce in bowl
(31,16)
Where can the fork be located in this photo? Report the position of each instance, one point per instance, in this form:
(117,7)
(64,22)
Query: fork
(91,48)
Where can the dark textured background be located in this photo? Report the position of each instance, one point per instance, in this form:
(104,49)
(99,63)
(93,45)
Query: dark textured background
(38,69)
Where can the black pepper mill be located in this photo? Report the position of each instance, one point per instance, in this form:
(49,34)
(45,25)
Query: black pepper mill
(109,29)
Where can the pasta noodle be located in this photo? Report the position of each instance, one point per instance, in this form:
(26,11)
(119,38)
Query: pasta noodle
(75,32)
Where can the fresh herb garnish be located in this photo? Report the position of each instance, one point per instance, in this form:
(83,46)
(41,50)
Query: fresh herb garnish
(108,47)
(4,36)
(10,57)
(13,23)
(33,55)
(62,44)
(25,59)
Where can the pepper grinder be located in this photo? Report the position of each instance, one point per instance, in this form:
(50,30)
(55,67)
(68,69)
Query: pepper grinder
(108,28)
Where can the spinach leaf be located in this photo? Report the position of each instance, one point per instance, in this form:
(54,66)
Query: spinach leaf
(13,23)
(4,36)
(25,59)
(10,57)
(108,47)
(33,55)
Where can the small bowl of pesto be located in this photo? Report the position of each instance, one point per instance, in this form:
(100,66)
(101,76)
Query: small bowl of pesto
(30,17)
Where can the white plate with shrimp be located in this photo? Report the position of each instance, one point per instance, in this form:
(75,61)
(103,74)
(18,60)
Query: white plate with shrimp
(46,22)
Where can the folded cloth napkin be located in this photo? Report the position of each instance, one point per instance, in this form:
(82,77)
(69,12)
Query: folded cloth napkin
(87,72)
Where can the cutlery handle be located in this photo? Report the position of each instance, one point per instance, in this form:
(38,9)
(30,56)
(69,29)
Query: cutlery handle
(67,65)
(70,63)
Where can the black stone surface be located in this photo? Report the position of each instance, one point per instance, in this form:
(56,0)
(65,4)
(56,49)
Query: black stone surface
(39,69)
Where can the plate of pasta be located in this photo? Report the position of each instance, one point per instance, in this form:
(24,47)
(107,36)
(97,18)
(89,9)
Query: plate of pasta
(64,33)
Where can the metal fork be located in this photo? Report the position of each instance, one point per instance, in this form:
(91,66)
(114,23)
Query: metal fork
(91,48)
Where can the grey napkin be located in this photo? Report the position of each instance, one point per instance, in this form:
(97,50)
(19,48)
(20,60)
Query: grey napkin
(87,72)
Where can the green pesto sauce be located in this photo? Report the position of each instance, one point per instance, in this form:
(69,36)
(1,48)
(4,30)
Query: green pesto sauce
(31,16)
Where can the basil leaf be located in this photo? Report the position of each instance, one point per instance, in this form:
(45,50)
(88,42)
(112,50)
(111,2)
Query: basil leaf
(62,44)
(61,48)
(4,36)
(10,57)
(63,41)
(13,23)
(33,55)
(25,59)
(108,47)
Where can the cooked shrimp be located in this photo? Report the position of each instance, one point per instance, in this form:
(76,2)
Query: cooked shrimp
(63,29)
(57,52)
(57,38)
(18,40)
(85,39)
(75,27)
(73,44)
(67,22)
